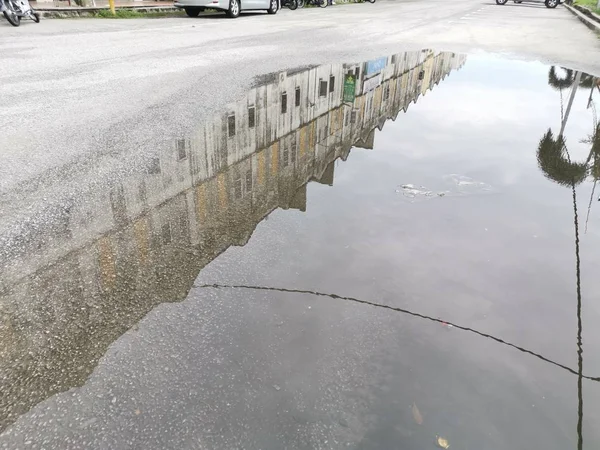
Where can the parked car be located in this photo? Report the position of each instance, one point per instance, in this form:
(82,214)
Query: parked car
(231,7)
(548,3)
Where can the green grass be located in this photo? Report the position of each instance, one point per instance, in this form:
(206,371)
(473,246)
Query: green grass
(133,14)
(591,4)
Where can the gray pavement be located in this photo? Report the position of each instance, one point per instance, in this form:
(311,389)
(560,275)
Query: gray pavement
(80,86)
(147,302)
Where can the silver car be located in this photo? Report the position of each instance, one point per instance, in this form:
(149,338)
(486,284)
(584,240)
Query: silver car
(231,7)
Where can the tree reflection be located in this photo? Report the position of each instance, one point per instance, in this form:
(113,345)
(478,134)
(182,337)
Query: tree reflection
(555,162)
(567,80)
(553,155)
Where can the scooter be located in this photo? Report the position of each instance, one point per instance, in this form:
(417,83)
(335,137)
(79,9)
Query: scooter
(292,4)
(548,3)
(319,3)
(14,10)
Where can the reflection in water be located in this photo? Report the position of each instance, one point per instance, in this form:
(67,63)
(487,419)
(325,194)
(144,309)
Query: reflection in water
(553,154)
(555,161)
(403,311)
(80,272)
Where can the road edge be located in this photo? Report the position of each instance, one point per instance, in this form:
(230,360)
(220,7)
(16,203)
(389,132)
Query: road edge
(590,23)
(61,13)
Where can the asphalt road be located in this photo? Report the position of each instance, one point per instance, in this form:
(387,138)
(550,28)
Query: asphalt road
(172,278)
(72,89)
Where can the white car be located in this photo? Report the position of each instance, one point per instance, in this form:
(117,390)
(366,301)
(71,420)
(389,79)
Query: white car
(231,7)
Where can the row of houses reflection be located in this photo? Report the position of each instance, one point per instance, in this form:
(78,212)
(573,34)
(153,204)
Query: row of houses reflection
(77,282)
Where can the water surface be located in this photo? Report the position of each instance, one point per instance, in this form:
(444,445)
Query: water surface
(416,260)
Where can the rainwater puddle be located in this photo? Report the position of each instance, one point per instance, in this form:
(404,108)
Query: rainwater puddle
(394,253)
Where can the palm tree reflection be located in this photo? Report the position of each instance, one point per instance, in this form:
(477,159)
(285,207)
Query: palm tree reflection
(555,162)
(553,155)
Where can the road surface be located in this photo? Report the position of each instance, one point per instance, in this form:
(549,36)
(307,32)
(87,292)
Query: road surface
(81,86)
(324,229)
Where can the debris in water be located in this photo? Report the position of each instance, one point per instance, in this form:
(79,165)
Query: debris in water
(137,412)
(442,443)
(412,191)
(276,387)
(462,185)
(467,184)
(447,325)
(416,414)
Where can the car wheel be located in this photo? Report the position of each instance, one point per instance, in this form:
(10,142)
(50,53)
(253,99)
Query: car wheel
(274,7)
(501,2)
(192,12)
(551,3)
(234,9)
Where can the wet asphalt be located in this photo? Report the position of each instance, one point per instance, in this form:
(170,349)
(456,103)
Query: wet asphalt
(204,246)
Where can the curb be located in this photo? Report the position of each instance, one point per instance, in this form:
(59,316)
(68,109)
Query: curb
(61,13)
(588,21)
(588,12)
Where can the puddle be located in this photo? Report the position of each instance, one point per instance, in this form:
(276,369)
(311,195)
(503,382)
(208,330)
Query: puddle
(317,151)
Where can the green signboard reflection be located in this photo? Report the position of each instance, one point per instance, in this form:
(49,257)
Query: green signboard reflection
(349,88)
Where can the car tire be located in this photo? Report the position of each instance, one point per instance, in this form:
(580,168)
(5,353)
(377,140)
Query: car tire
(192,12)
(274,7)
(501,2)
(234,9)
(551,3)
(293,4)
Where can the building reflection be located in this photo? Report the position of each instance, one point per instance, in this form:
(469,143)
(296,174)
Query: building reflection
(77,279)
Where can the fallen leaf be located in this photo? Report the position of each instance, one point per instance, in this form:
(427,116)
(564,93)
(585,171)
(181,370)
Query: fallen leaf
(416,414)
(443,443)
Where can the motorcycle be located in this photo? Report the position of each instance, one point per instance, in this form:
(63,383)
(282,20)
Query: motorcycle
(15,10)
(319,3)
(292,4)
